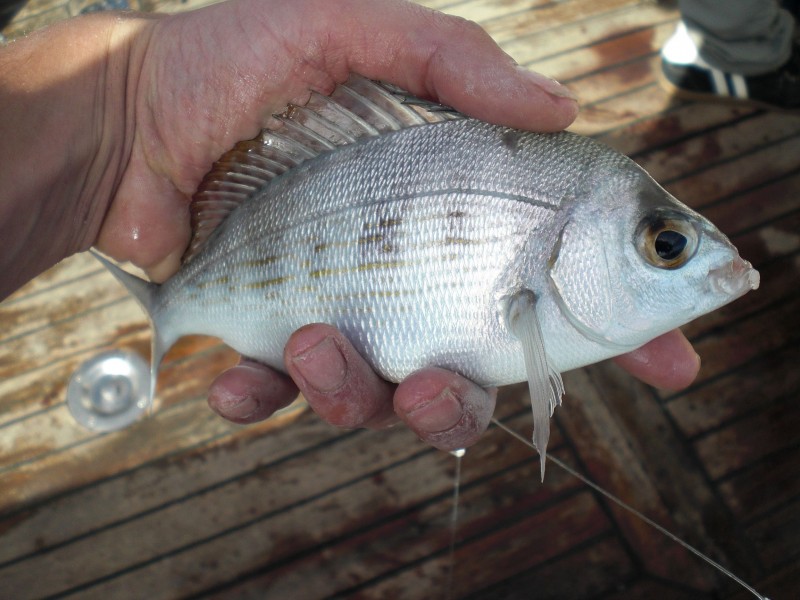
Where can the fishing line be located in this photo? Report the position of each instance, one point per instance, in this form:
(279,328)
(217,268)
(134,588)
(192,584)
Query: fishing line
(635,512)
(454,522)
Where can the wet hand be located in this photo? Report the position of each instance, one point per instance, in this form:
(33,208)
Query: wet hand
(441,407)
(230,67)
(201,81)
(177,91)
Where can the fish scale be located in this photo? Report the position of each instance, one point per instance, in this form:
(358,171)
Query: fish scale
(329,285)
(431,239)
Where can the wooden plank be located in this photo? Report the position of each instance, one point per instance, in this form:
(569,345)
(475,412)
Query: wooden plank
(550,15)
(774,200)
(665,121)
(123,495)
(764,486)
(756,168)
(781,583)
(750,388)
(751,439)
(483,11)
(542,50)
(602,565)
(777,537)
(72,268)
(182,421)
(619,48)
(718,146)
(648,589)
(607,49)
(505,552)
(87,330)
(627,447)
(68,302)
(741,342)
(308,487)
(70,340)
(383,553)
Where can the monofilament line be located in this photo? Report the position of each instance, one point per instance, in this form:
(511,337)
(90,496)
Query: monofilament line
(635,512)
(451,554)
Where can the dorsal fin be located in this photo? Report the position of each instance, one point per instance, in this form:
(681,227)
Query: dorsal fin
(357,109)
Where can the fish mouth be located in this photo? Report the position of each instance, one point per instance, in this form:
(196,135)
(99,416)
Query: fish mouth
(734,279)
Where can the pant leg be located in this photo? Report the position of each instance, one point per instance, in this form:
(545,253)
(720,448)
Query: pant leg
(750,37)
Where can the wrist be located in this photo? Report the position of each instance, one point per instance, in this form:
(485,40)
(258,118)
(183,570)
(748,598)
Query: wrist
(63,144)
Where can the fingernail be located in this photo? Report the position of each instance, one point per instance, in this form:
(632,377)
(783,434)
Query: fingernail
(440,414)
(322,366)
(242,409)
(551,86)
(233,406)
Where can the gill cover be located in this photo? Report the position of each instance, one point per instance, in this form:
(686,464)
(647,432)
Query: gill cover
(580,275)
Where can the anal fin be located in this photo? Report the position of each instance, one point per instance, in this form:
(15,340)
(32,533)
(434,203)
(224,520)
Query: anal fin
(544,382)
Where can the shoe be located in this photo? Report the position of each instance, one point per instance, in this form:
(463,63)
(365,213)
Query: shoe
(686,75)
(793,6)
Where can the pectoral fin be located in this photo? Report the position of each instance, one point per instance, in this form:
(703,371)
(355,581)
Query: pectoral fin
(546,387)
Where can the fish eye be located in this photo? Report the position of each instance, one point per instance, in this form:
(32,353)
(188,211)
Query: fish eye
(670,244)
(667,240)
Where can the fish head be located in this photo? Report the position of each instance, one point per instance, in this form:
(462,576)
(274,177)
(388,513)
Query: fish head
(633,263)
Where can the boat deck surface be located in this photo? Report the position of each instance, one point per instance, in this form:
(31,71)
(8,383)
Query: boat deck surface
(183,504)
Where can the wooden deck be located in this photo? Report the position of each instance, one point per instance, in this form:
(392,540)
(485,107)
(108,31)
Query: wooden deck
(183,504)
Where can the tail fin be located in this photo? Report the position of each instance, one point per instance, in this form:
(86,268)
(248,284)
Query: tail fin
(145,294)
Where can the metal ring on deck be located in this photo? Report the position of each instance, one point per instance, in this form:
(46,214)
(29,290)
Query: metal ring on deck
(109,391)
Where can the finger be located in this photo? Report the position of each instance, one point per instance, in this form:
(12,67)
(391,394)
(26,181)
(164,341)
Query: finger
(444,58)
(668,362)
(338,383)
(147,223)
(444,409)
(250,392)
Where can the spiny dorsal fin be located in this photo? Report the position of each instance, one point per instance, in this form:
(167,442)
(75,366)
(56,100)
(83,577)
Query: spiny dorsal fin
(357,109)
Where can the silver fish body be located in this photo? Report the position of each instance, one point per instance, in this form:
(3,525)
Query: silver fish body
(410,242)
(418,243)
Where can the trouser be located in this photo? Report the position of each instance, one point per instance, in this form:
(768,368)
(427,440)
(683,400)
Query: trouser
(751,37)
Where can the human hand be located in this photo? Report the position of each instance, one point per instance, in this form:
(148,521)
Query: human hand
(442,408)
(178,91)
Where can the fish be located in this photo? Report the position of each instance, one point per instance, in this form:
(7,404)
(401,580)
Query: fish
(433,239)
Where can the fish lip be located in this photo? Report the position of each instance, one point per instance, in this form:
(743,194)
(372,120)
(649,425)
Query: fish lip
(734,278)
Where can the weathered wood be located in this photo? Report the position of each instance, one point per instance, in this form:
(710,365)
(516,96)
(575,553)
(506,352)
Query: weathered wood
(641,462)
(555,50)
(601,563)
(763,486)
(185,504)
(551,14)
(750,439)
(775,536)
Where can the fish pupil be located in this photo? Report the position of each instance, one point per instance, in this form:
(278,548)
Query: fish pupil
(670,244)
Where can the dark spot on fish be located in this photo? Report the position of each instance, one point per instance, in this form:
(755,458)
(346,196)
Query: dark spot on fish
(456,214)
(385,223)
(382,235)
(458,241)
(381,265)
(214,282)
(266,283)
(259,262)
(370,239)
(511,139)
(320,247)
